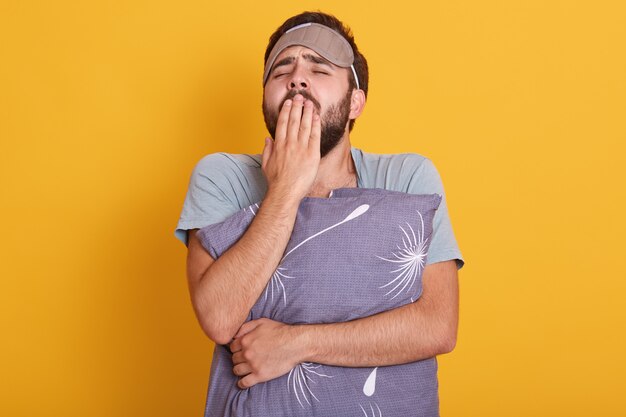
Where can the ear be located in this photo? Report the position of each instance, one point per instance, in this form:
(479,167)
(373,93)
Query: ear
(357,103)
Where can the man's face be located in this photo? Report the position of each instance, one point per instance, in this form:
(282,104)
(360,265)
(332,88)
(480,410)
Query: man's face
(299,70)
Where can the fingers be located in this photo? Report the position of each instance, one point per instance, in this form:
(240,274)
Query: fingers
(281,123)
(294,120)
(267,151)
(242,369)
(247,381)
(235,346)
(247,327)
(238,358)
(305,123)
(294,117)
(316,131)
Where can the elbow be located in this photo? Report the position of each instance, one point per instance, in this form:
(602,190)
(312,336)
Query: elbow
(448,345)
(221,335)
(220,338)
(213,324)
(447,341)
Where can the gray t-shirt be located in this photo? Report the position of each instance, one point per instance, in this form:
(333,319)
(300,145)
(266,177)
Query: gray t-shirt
(222,184)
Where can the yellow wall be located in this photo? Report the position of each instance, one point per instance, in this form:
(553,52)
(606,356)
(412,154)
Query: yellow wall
(106,106)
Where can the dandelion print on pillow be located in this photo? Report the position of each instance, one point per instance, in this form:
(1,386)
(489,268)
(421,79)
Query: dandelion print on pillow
(410,260)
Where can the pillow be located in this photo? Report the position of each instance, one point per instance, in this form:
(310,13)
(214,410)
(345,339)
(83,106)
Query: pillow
(357,253)
(360,252)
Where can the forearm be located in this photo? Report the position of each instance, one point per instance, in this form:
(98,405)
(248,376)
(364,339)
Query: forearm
(416,331)
(232,284)
(390,338)
(394,337)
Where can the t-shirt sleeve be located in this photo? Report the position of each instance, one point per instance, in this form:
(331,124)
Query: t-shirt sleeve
(207,200)
(443,245)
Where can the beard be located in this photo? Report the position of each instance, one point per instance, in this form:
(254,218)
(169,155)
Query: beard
(334,121)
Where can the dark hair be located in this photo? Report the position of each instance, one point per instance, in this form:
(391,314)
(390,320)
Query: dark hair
(360,63)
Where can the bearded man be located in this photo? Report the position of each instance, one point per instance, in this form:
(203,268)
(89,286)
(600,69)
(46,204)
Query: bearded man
(315,87)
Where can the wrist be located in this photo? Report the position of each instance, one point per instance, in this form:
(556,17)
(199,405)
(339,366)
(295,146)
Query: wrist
(304,342)
(283,198)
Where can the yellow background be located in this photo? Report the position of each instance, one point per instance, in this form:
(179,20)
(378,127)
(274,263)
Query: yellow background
(106,106)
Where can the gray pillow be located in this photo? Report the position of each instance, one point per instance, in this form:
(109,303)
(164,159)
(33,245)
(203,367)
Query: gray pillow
(357,253)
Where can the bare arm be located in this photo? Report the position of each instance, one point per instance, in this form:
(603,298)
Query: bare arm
(224,290)
(266,349)
(409,333)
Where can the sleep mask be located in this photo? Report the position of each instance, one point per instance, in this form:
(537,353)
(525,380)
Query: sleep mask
(322,39)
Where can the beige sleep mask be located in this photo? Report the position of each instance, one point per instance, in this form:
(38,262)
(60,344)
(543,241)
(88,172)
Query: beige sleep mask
(322,39)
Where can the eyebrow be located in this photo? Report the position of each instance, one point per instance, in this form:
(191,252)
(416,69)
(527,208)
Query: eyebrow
(308,57)
(317,60)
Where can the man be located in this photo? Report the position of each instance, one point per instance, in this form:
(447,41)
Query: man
(315,87)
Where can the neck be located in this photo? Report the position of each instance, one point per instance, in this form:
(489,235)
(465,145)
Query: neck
(336,170)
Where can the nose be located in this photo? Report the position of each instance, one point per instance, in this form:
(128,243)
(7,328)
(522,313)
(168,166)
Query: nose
(298,84)
(298,80)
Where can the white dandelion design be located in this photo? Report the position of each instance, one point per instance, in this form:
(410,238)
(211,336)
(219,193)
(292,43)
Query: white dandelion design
(251,209)
(277,281)
(369,388)
(299,378)
(277,277)
(411,259)
(370,384)
(374,414)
